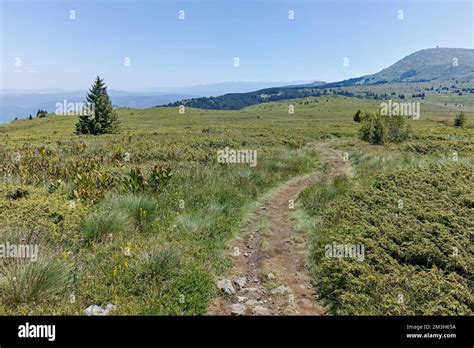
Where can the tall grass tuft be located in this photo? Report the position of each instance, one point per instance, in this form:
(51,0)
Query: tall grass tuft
(96,227)
(141,208)
(193,223)
(159,265)
(24,281)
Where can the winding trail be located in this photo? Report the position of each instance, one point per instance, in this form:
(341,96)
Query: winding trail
(270,255)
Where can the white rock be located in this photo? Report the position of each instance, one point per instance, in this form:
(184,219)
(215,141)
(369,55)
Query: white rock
(280,290)
(259,310)
(252,302)
(270,275)
(240,281)
(237,309)
(226,286)
(109,308)
(250,289)
(94,310)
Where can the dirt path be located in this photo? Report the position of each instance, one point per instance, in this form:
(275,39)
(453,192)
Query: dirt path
(268,261)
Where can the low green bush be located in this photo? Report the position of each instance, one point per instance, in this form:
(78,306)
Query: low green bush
(414,226)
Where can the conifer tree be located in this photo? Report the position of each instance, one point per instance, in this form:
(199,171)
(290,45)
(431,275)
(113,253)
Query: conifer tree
(101,118)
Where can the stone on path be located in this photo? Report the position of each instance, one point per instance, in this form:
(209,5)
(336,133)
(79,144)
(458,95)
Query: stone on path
(280,290)
(260,310)
(237,309)
(226,286)
(95,310)
(240,281)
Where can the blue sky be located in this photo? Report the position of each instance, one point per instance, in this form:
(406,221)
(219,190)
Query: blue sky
(57,52)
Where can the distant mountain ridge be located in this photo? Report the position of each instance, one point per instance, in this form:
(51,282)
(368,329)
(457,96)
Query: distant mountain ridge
(221,88)
(21,103)
(433,64)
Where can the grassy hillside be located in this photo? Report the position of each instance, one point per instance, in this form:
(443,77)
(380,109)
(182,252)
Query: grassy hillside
(428,65)
(141,219)
(237,101)
(436,71)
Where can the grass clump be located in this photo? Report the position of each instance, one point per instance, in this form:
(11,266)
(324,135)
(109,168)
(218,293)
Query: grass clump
(25,281)
(158,266)
(118,214)
(98,227)
(142,209)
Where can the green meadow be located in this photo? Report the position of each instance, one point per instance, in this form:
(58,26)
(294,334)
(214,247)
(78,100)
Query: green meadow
(142,219)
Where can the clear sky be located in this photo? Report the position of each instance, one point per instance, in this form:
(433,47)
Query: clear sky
(58,52)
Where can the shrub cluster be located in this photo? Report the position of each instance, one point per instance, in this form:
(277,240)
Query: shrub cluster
(377,129)
(460,119)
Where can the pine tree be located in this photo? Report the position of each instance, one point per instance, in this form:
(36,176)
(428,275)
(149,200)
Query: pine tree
(103,119)
(41,113)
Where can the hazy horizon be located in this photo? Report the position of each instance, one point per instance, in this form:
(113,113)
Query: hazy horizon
(159,88)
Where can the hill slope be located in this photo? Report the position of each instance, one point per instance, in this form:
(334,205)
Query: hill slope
(237,101)
(423,66)
(434,64)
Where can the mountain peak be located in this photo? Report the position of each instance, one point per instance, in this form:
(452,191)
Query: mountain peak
(440,63)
